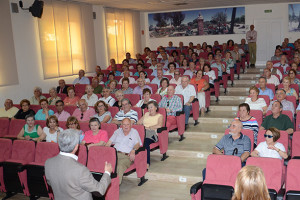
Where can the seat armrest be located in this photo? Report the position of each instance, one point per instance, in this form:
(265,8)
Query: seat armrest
(159,130)
(194,189)
(179,113)
(194,100)
(21,168)
(139,150)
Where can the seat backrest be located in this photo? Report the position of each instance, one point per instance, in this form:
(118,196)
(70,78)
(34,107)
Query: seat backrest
(248,133)
(291,99)
(168,77)
(293,175)
(272,168)
(284,138)
(62,96)
(84,126)
(62,124)
(222,169)
(113,111)
(82,154)
(110,128)
(80,88)
(156,97)
(154,87)
(266,98)
(42,123)
(141,130)
(133,85)
(45,150)
(70,109)
(35,108)
(133,98)
(52,107)
(23,150)
(138,110)
(4,126)
(15,126)
(298,123)
(148,71)
(295,86)
(296,144)
(97,157)
(285,112)
(6,148)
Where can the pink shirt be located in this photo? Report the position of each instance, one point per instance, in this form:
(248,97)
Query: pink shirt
(63,116)
(90,138)
(90,112)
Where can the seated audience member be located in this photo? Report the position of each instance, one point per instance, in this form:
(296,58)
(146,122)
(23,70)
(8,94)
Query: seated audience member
(90,97)
(113,86)
(162,91)
(61,114)
(111,76)
(234,143)
(53,96)
(100,78)
(95,136)
(77,180)
(25,110)
(263,90)
(283,63)
(280,96)
(210,73)
(271,79)
(244,46)
(127,75)
(139,68)
(141,86)
(220,66)
(95,85)
(202,85)
(170,46)
(44,112)
(143,76)
(153,64)
(152,120)
(172,67)
(97,71)
(177,79)
(145,100)
(277,56)
(115,71)
(119,95)
(35,99)
(102,113)
(106,97)
(184,64)
(83,113)
(158,78)
(125,86)
(188,92)
(292,74)
(73,123)
(248,121)
(71,99)
(172,103)
(210,58)
(126,141)
(201,64)
(125,112)
(81,79)
(286,86)
(270,148)
(251,184)
(236,55)
(62,88)
(31,131)
(254,102)
(273,70)
(52,130)
(191,71)
(112,63)
(8,110)
(130,60)
(229,62)
(198,49)
(277,120)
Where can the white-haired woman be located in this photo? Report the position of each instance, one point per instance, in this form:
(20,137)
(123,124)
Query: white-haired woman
(37,96)
(53,96)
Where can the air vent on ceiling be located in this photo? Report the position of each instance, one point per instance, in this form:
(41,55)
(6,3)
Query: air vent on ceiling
(180,4)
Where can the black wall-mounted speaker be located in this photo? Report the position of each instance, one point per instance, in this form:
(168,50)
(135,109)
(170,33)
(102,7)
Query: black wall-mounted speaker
(37,8)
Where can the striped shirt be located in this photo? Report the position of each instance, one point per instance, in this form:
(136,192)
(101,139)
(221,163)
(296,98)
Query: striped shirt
(174,104)
(132,115)
(242,144)
(252,125)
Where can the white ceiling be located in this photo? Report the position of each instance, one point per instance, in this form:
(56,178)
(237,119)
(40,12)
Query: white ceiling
(163,5)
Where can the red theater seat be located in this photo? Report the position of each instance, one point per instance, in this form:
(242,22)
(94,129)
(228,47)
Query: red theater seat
(292,186)
(5,154)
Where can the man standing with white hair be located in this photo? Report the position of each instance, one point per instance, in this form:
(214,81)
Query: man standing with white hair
(188,92)
(68,178)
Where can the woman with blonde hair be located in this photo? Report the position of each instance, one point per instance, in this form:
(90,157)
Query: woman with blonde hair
(251,185)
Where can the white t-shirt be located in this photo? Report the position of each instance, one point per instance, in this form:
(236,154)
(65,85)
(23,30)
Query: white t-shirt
(263,150)
(92,100)
(109,100)
(273,79)
(256,105)
(51,137)
(186,92)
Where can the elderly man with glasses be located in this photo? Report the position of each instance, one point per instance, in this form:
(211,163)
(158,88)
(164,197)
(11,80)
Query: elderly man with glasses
(9,110)
(125,112)
(83,113)
(177,79)
(280,96)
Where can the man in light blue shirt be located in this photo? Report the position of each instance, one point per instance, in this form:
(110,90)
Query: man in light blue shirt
(81,79)
(263,90)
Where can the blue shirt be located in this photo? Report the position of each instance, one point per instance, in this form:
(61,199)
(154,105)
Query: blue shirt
(41,116)
(268,92)
(215,65)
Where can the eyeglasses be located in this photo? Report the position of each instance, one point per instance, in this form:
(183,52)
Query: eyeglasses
(168,103)
(268,136)
(81,116)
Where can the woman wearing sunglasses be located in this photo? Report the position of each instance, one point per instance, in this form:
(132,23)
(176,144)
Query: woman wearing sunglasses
(270,148)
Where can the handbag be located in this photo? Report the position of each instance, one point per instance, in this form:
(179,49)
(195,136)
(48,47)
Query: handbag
(151,134)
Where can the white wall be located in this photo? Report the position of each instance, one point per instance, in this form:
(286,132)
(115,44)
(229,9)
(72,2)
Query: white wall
(252,13)
(28,57)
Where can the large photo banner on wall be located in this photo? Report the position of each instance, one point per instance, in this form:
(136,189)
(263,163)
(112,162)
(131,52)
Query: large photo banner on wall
(294,17)
(197,22)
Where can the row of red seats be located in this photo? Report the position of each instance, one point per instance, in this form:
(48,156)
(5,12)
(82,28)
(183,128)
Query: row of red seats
(222,170)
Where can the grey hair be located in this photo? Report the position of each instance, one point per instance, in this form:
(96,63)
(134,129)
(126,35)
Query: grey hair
(125,99)
(67,140)
(53,88)
(37,88)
